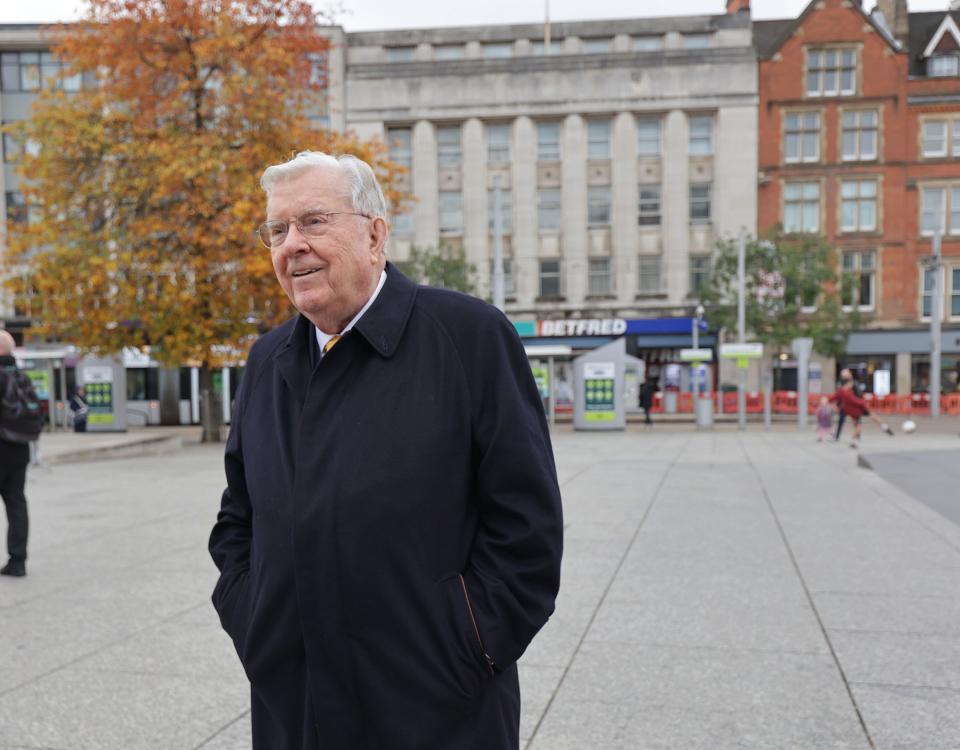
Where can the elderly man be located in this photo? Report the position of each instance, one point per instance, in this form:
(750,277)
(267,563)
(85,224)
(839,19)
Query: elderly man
(389,539)
(14,457)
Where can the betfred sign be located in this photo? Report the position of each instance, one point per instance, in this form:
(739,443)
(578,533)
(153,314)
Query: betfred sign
(583,327)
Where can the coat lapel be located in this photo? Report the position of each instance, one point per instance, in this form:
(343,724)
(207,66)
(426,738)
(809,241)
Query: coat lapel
(294,361)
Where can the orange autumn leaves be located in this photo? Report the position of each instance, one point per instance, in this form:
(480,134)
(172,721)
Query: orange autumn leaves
(143,190)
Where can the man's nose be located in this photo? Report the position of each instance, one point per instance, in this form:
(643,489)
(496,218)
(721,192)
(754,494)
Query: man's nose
(294,242)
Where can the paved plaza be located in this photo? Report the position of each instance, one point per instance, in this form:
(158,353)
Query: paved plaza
(720,590)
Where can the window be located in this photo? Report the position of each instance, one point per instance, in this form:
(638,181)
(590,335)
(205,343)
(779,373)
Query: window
(548,208)
(498,144)
(858,205)
(598,139)
(448,52)
(932,210)
(29,71)
(700,204)
(955,293)
(831,72)
(649,213)
(506,210)
(940,66)
(400,54)
(648,136)
(598,272)
(448,146)
(599,45)
(934,138)
(696,41)
(548,141)
(451,212)
(801,207)
(940,205)
(647,43)
(402,223)
(650,281)
(556,47)
(13,149)
(859,136)
(508,288)
(495,50)
(549,278)
(400,143)
(858,279)
(699,271)
(701,135)
(926,293)
(16,207)
(801,137)
(598,205)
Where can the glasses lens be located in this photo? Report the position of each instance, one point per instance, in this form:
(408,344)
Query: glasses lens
(314,224)
(273,232)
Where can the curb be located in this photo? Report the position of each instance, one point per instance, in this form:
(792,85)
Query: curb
(146,447)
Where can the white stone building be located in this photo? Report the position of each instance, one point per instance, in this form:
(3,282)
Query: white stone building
(624,151)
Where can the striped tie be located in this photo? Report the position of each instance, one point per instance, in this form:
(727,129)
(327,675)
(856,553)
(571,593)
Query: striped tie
(331,343)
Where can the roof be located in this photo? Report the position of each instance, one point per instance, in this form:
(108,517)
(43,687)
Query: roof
(770,35)
(767,35)
(922,28)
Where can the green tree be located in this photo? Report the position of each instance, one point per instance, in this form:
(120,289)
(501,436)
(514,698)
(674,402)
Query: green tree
(445,266)
(792,291)
(145,179)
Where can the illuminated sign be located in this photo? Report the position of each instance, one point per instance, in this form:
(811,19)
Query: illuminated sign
(583,327)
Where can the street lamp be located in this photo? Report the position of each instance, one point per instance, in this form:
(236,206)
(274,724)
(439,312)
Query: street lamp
(697,321)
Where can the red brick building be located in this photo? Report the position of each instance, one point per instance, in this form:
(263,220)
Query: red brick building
(844,101)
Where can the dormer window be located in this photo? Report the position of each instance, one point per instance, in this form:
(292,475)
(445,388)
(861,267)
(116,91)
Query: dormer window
(942,66)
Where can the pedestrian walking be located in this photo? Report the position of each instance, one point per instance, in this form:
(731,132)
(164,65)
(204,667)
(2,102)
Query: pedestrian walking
(647,389)
(79,408)
(17,427)
(390,536)
(824,419)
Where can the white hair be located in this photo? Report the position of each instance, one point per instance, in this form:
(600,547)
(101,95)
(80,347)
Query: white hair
(365,192)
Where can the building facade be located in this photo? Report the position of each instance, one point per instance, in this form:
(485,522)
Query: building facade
(843,107)
(622,151)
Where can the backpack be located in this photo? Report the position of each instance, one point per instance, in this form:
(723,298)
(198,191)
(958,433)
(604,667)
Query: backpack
(21,418)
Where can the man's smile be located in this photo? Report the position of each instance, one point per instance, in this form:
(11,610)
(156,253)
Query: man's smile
(305,272)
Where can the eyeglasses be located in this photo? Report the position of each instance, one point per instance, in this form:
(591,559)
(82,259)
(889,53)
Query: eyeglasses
(312,224)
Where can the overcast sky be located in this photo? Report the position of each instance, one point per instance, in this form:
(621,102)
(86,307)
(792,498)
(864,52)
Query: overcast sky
(389,14)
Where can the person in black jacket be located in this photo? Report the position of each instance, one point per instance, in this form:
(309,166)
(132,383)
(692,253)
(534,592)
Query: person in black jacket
(390,536)
(14,458)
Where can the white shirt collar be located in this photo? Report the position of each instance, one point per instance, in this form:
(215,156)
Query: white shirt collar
(323,338)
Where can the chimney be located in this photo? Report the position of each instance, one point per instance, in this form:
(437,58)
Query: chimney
(895,15)
(736,6)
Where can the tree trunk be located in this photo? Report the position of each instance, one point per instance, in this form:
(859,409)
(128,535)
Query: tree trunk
(211,405)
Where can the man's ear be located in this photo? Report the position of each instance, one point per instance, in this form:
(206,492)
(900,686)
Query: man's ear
(378,236)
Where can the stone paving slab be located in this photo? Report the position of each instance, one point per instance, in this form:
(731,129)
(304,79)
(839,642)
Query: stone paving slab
(719,590)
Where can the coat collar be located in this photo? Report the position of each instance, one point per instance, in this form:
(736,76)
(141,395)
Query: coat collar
(382,326)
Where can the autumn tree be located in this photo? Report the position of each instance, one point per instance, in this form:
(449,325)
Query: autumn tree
(792,291)
(144,181)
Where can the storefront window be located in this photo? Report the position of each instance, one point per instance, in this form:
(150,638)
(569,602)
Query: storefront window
(949,373)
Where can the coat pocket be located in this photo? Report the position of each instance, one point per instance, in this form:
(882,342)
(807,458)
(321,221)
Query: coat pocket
(230,600)
(465,656)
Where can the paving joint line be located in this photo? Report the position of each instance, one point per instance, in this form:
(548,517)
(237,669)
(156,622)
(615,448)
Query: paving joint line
(606,590)
(221,730)
(807,593)
(104,647)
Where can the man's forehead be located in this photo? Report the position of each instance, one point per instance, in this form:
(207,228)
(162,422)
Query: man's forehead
(317,187)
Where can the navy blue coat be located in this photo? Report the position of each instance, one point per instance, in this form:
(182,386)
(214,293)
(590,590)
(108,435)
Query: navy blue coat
(389,540)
